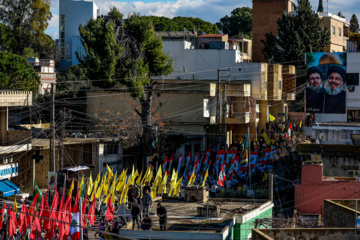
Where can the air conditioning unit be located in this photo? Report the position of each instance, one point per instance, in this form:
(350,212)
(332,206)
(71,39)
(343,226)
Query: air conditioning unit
(10,159)
(5,160)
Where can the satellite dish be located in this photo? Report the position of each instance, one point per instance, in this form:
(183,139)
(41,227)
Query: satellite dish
(322,136)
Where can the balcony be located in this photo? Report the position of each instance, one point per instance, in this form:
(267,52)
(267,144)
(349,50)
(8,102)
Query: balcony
(353,45)
(238,118)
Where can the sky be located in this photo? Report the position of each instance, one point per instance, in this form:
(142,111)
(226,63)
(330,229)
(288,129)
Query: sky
(208,10)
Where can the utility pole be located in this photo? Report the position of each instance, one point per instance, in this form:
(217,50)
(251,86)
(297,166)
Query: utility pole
(221,104)
(52,130)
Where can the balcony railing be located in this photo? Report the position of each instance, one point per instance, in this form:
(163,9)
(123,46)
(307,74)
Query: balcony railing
(353,45)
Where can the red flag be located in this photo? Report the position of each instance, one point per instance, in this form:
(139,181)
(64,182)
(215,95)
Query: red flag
(45,213)
(35,226)
(77,196)
(109,211)
(291,127)
(23,219)
(12,223)
(84,211)
(2,215)
(32,208)
(51,224)
(91,215)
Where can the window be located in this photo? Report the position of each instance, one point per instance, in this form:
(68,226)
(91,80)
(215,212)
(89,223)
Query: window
(352,79)
(111,148)
(353,115)
(333,30)
(206,108)
(340,30)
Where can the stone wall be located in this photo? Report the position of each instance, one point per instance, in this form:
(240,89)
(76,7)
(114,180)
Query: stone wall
(337,214)
(17,137)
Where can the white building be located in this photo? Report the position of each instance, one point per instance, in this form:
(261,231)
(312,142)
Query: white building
(71,15)
(45,68)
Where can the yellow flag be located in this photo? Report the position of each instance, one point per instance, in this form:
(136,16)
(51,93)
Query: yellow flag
(121,181)
(110,173)
(206,175)
(138,179)
(90,186)
(71,188)
(145,175)
(15,205)
(177,187)
(300,123)
(264,177)
(272,118)
(163,183)
(81,184)
(191,178)
(98,192)
(266,138)
(98,177)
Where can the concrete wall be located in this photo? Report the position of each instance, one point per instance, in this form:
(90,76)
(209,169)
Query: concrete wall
(339,166)
(334,134)
(338,215)
(202,64)
(313,190)
(304,233)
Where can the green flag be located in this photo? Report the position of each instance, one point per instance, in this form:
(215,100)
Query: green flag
(37,191)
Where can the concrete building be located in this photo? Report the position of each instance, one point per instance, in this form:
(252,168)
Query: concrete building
(13,143)
(94,153)
(315,188)
(265,15)
(71,14)
(46,70)
(339,31)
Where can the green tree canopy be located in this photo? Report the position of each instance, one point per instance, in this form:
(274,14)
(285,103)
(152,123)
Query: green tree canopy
(354,23)
(297,34)
(26,21)
(16,73)
(291,43)
(128,52)
(179,23)
(238,23)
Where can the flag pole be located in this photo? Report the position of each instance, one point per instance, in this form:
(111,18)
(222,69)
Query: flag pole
(249,160)
(81,231)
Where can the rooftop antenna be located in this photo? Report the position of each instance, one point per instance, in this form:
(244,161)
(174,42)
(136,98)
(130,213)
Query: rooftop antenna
(327,6)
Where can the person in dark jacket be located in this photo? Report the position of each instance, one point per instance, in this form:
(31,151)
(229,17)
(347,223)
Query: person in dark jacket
(146,223)
(147,187)
(146,202)
(135,211)
(162,214)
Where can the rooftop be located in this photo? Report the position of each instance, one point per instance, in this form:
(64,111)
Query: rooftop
(175,34)
(41,144)
(212,35)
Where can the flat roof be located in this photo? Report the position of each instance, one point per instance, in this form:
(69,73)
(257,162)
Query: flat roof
(41,144)
(182,216)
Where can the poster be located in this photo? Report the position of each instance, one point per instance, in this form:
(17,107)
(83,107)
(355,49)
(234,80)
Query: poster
(52,180)
(326,82)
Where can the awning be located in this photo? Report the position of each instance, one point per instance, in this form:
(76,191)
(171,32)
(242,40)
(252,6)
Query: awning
(7,188)
(75,169)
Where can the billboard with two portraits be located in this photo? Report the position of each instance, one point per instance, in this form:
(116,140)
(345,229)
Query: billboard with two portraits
(326,79)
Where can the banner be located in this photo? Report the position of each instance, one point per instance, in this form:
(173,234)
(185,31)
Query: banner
(326,78)
(52,180)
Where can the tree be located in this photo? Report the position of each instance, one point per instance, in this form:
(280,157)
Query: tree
(179,23)
(354,23)
(320,8)
(16,73)
(291,43)
(239,22)
(26,21)
(128,52)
